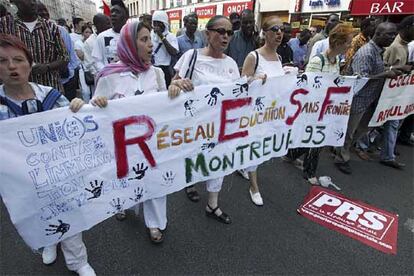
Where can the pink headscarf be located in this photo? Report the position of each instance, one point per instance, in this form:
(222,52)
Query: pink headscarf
(127,52)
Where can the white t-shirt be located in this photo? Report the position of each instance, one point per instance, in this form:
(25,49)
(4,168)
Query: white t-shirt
(272,68)
(75,37)
(79,44)
(105,51)
(208,70)
(162,57)
(126,84)
(88,61)
(411,51)
(30,25)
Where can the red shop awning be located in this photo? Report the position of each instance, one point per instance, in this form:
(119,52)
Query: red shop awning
(382,7)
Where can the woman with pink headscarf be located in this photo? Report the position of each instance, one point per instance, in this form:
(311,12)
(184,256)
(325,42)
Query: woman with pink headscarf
(134,75)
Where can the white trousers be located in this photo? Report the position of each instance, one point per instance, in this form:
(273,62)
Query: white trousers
(214,185)
(74,251)
(85,89)
(155,212)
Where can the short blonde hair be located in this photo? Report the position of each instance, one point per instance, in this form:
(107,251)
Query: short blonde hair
(339,35)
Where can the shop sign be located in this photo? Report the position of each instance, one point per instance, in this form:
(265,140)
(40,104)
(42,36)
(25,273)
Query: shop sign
(174,15)
(229,8)
(382,7)
(320,3)
(206,12)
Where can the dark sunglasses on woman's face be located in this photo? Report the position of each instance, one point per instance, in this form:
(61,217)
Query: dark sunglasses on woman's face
(276,28)
(223,31)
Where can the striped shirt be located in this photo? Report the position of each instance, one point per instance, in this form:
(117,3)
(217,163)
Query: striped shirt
(367,62)
(44,43)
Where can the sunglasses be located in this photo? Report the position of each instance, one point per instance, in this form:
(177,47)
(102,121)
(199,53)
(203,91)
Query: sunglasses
(223,31)
(276,28)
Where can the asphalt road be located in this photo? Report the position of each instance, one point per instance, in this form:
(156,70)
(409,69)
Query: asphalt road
(273,239)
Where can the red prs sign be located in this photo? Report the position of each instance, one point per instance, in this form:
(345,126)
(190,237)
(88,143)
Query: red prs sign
(360,221)
(382,7)
(229,8)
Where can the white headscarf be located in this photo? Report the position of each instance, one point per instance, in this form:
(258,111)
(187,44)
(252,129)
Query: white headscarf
(160,16)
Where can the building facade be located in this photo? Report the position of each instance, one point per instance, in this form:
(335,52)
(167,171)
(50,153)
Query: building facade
(67,9)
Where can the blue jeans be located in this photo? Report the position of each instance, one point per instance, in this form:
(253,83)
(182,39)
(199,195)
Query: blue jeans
(390,138)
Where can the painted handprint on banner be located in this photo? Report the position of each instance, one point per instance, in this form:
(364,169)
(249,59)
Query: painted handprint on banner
(96,189)
(189,108)
(62,228)
(259,105)
(169,178)
(139,170)
(212,96)
(339,81)
(208,146)
(241,88)
(317,83)
(339,134)
(117,206)
(138,192)
(302,80)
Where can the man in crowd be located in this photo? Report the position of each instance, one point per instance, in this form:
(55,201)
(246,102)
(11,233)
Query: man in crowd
(43,40)
(189,40)
(102,23)
(69,79)
(77,29)
(165,47)
(105,48)
(396,55)
(147,19)
(330,23)
(299,48)
(243,41)
(367,31)
(284,49)
(235,21)
(367,62)
(313,30)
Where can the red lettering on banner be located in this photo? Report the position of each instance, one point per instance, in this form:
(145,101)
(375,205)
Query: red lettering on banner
(291,119)
(121,142)
(227,105)
(360,221)
(327,101)
(401,81)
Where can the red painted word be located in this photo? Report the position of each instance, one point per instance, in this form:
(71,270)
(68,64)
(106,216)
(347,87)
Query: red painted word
(121,142)
(226,106)
(401,81)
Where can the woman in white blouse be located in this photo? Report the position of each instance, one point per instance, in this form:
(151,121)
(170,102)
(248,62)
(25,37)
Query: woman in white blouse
(211,66)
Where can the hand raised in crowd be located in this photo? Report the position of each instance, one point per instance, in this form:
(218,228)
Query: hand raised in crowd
(76,104)
(99,101)
(158,31)
(177,85)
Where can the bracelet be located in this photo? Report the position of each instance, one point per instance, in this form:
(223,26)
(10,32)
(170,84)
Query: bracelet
(390,68)
(163,38)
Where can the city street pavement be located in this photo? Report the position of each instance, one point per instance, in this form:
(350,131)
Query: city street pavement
(273,239)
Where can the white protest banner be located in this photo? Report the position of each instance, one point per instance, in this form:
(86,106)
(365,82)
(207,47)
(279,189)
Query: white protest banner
(396,101)
(62,173)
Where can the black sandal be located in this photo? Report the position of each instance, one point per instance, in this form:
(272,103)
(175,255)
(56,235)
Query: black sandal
(192,195)
(223,218)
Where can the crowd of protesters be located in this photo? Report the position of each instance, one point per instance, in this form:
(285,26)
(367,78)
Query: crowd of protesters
(42,59)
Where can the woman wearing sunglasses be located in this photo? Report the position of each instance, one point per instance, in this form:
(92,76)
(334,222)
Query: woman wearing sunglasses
(260,64)
(211,66)
(134,75)
(19,97)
